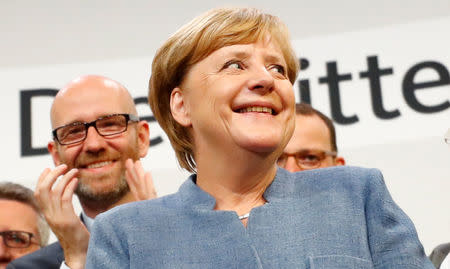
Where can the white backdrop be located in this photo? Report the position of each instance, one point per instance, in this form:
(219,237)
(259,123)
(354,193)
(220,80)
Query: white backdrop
(63,42)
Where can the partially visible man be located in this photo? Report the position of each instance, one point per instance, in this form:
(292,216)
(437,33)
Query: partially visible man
(313,143)
(22,227)
(97,143)
(440,256)
(447,137)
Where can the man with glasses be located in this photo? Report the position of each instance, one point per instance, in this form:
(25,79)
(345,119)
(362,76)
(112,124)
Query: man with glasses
(313,143)
(22,227)
(97,143)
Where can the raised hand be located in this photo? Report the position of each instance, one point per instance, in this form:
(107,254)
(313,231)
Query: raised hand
(55,201)
(140,182)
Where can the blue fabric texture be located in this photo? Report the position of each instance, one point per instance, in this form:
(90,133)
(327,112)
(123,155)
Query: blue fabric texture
(341,217)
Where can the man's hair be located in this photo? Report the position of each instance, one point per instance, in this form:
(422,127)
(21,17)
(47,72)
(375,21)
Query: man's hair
(192,43)
(307,110)
(19,193)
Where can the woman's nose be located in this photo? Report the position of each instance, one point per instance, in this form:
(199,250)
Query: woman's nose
(261,80)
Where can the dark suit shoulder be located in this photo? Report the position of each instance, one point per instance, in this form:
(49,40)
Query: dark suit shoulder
(48,257)
(439,254)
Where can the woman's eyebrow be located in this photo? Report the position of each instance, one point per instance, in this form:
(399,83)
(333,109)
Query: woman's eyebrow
(241,54)
(276,58)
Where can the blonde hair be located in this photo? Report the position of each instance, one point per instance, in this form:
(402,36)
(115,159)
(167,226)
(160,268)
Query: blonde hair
(192,43)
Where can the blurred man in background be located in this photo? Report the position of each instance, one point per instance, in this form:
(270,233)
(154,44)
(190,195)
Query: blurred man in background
(439,257)
(22,227)
(313,143)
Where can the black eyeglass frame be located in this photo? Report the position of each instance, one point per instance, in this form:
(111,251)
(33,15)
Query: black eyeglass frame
(10,232)
(128,118)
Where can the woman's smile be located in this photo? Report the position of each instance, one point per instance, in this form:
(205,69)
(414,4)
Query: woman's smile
(240,97)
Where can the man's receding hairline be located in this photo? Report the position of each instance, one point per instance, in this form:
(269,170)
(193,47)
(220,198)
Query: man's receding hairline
(34,209)
(79,81)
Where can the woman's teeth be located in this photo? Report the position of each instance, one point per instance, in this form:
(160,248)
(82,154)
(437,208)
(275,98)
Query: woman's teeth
(256,109)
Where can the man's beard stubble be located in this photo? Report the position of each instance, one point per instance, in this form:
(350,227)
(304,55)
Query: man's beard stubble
(87,195)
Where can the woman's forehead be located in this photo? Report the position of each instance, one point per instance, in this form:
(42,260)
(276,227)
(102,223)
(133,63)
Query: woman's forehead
(269,50)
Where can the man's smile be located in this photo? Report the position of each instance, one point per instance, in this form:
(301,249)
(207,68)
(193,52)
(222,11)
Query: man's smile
(98,166)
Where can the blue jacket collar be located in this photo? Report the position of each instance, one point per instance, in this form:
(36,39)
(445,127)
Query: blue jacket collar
(192,196)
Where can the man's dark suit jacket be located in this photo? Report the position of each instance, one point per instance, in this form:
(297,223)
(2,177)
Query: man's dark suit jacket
(48,257)
(439,253)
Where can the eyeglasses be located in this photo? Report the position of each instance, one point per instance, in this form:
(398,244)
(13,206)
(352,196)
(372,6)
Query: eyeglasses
(17,239)
(306,159)
(76,132)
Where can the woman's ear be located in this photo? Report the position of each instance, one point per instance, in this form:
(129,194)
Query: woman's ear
(179,107)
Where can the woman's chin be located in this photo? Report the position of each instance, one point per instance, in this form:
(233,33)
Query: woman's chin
(259,144)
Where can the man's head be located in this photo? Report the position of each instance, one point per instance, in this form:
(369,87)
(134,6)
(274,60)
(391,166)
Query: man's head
(99,150)
(22,227)
(313,144)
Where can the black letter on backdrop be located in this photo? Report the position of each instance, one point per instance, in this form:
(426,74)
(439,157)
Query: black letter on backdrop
(25,120)
(409,87)
(305,96)
(374,73)
(333,79)
(144,100)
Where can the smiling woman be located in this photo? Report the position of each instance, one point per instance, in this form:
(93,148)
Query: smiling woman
(214,30)
(223,102)
(221,88)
